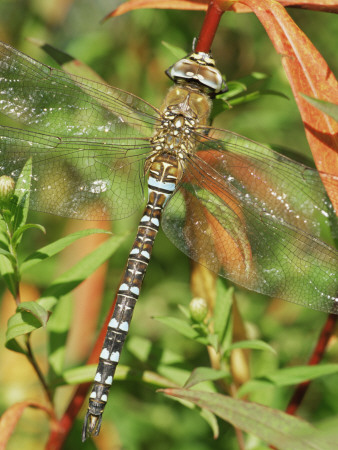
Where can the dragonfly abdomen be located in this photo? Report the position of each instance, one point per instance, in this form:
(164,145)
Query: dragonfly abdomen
(163,174)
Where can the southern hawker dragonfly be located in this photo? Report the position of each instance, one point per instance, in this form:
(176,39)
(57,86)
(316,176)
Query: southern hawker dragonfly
(233,205)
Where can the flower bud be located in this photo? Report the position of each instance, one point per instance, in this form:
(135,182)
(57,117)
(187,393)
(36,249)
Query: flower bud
(198,309)
(7,187)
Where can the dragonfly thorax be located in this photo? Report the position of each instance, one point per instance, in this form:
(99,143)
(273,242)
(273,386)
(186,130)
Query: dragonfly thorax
(189,102)
(173,138)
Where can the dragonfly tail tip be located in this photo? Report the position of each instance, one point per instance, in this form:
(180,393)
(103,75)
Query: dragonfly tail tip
(91,425)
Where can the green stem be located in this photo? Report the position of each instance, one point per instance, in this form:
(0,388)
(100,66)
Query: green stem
(16,265)
(34,363)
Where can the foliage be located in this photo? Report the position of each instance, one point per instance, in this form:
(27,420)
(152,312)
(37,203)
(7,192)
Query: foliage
(156,355)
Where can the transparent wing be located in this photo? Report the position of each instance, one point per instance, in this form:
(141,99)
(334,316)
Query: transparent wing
(254,216)
(77,177)
(63,104)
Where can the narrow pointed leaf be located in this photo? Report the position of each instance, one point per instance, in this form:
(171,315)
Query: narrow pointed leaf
(275,427)
(7,272)
(23,322)
(222,309)
(183,328)
(295,375)
(80,271)
(331,109)
(68,62)
(58,327)
(19,231)
(53,249)
(176,51)
(253,345)
(201,374)
(22,195)
(211,420)
(85,374)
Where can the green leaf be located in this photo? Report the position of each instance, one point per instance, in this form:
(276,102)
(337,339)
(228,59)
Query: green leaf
(8,273)
(287,377)
(146,350)
(331,109)
(22,193)
(52,249)
(241,85)
(38,311)
(253,386)
(255,96)
(68,62)
(81,271)
(222,310)
(184,310)
(181,326)
(178,52)
(201,374)
(252,344)
(235,88)
(218,106)
(16,347)
(85,374)
(19,232)
(211,420)
(237,93)
(24,322)
(77,375)
(58,327)
(47,302)
(21,323)
(296,375)
(8,255)
(213,341)
(252,78)
(275,427)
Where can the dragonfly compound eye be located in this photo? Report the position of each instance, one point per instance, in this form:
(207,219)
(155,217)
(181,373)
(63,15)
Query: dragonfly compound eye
(199,68)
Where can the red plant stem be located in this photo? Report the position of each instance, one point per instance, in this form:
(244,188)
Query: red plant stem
(209,27)
(59,433)
(316,357)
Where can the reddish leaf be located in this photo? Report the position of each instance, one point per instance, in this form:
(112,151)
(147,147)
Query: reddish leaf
(10,418)
(202,5)
(313,5)
(308,74)
(192,5)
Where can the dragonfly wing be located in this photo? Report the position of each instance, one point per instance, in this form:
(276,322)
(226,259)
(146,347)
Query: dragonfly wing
(67,105)
(276,184)
(220,217)
(76,177)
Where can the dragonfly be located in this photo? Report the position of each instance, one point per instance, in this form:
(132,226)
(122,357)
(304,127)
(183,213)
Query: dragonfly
(244,211)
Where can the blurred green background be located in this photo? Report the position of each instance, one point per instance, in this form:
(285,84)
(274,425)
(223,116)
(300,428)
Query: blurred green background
(128,53)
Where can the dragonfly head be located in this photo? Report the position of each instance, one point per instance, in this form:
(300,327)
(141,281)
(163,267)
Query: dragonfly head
(198,69)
